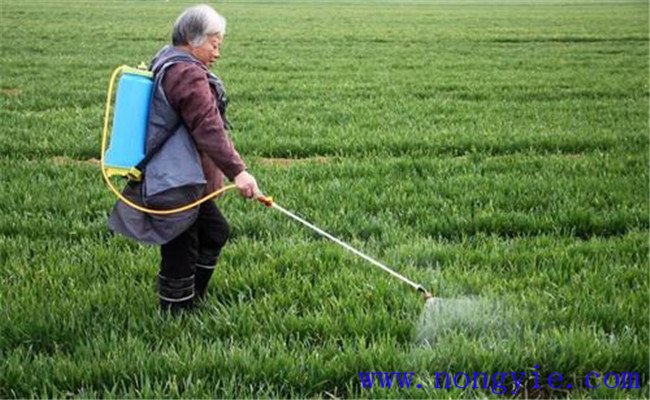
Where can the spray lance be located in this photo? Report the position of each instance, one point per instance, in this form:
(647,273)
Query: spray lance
(269,203)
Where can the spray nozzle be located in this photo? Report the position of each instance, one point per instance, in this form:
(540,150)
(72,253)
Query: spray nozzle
(425,294)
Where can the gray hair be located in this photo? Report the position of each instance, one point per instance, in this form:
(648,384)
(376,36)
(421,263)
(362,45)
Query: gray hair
(195,24)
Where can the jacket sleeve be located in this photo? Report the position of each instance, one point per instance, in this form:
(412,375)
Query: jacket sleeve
(188,91)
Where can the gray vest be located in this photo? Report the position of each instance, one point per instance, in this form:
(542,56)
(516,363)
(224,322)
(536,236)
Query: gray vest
(174,176)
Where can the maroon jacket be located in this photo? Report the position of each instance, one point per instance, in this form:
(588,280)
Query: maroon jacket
(189,93)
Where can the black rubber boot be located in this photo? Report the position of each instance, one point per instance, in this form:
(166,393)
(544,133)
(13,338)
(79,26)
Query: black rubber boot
(176,294)
(203,274)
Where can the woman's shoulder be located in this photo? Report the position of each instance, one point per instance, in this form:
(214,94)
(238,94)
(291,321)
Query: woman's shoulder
(184,81)
(184,71)
(187,67)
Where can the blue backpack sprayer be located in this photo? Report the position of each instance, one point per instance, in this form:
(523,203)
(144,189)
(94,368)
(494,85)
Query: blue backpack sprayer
(126,155)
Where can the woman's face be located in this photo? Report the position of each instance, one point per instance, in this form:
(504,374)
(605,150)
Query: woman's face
(208,52)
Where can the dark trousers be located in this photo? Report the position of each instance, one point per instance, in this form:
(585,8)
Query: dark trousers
(187,262)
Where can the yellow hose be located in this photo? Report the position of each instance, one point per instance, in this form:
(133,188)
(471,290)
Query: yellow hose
(115,191)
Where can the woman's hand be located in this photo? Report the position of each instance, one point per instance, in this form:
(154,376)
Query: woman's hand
(246,184)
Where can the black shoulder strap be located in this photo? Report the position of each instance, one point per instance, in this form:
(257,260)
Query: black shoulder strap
(135,173)
(152,152)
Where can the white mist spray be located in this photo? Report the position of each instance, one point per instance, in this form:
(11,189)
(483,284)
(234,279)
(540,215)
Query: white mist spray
(471,317)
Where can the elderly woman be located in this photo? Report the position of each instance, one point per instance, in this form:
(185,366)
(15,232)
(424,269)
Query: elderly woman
(188,131)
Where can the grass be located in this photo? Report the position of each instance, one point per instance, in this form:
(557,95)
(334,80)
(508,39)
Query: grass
(492,149)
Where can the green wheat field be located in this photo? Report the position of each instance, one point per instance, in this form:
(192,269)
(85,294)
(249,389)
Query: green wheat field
(491,150)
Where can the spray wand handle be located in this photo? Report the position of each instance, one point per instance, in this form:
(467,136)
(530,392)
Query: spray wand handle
(266,200)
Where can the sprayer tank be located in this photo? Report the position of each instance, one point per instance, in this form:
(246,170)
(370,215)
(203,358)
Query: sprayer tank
(131,113)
